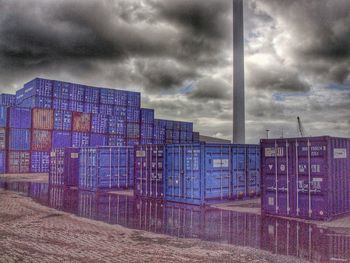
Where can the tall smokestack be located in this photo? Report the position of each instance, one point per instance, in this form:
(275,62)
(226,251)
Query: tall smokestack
(238,73)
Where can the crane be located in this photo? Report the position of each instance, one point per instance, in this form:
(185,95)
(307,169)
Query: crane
(300,128)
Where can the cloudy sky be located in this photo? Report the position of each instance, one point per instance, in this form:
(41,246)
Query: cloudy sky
(179,55)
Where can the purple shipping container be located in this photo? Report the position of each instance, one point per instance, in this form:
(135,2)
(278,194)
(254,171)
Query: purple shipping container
(115,140)
(77,92)
(99,123)
(40,162)
(92,94)
(133,114)
(159,133)
(132,142)
(18,162)
(146,131)
(2,162)
(176,135)
(3,116)
(147,116)
(91,108)
(186,126)
(121,98)
(149,171)
(107,96)
(80,139)
(3,139)
(160,123)
(144,141)
(19,117)
(64,167)
(77,106)
(36,102)
(134,99)
(177,125)
(116,126)
(133,130)
(306,177)
(7,99)
(19,139)
(98,139)
(61,89)
(60,104)
(169,125)
(120,112)
(106,109)
(35,87)
(62,120)
(61,139)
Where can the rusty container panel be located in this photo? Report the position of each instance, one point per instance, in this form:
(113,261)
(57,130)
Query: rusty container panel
(42,119)
(41,140)
(81,122)
(18,162)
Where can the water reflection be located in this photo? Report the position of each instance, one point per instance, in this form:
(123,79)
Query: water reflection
(279,236)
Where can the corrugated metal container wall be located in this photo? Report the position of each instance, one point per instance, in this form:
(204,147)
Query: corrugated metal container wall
(81,122)
(306,177)
(146,141)
(61,90)
(18,162)
(92,94)
(106,167)
(2,162)
(186,126)
(61,139)
(133,114)
(3,116)
(253,171)
(77,106)
(40,162)
(91,108)
(80,139)
(41,140)
(176,136)
(62,120)
(19,139)
(42,119)
(60,104)
(115,140)
(3,141)
(147,116)
(120,112)
(132,142)
(99,123)
(134,99)
(107,96)
(64,167)
(149,171)
(106,109)
(36,102)
(36,87)
(146,131)
(121,98)
(20,117)
(7,99)
(77,92)
(177,125)
(98,139)
(116,126)
(159,134)
(133,130)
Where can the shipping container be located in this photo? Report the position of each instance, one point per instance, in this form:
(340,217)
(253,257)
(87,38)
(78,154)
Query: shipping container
(77,92)
(306,177)
(146,131)
(133,130)
(97,139)
(19,139)
(106,109)
(159,134)
(42,119)
(41,140)
(146,141)
(169,125)
(132,142)
(80,139)
(176,136)
(91,108)
(62,120)
(115,140)
(116,126)
(147,116)
(81,122)
(160,123)
(150,215)
(92,94)
(19,117)
(99,123)
(60,104)
(36,87)
(7,99)
(106,168)
(77,106)
(107,96)
(61,90)
(64,167)
(61,139)
(3,139)
(186,126)
(134,99)
(36,102)
(120,112)
(121,98)
(2,162)
(195,137)
(176,125)
(40,162)
(149,171)
(18,162)
(3,116)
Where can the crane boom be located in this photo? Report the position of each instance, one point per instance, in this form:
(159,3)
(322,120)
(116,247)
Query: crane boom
(300,128)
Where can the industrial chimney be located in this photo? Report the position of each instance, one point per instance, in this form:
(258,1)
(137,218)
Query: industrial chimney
(238,74)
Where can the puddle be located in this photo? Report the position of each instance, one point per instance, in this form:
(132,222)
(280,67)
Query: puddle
(279,236)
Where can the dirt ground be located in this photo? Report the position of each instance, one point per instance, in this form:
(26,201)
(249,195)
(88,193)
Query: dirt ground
(37,178)
(30,232)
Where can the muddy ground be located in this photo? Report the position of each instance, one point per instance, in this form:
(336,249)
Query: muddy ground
(30,232)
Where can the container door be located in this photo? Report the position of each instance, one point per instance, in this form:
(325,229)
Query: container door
(239,180)
(253,170)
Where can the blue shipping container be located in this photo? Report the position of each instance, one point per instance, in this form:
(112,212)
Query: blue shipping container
(132,142)
(20,117)
(2,162)
(116,126)
(91,108)
(3,116)
(77,106)
(36,102)
(115,140)
(106,168)
(60,104)
(134,99)
(107,96)
(121,98)
(19,139)
(40,162)
(120,112)
(133,130)
(106,109)
(146,131)
(61,139)
(159,133)
(92,94)
(160,123)
(133,114)
(7,99)
(99,123)
(98,139)
(62,120)
(77,92)
(80,139)
(36,87)
(147,116)
(61,89)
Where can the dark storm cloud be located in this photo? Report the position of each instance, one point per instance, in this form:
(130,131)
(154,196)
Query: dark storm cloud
(211,89)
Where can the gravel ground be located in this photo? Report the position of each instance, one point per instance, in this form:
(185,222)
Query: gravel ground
(30,232)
